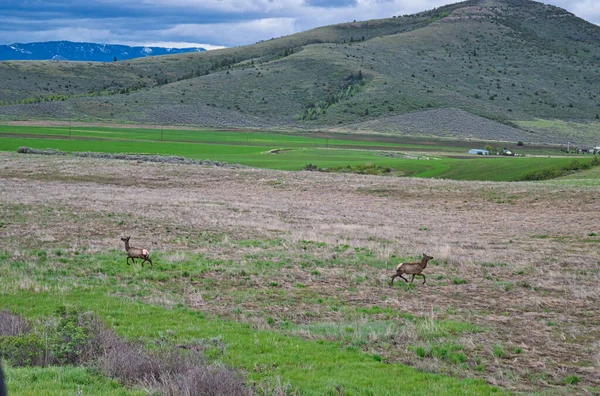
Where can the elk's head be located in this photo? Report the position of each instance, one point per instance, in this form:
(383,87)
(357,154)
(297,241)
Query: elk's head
(126,239)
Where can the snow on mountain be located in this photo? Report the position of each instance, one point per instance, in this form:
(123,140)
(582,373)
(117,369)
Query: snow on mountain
(67,50)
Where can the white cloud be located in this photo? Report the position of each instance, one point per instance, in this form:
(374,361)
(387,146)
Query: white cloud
(218,22)
(586,9)
(235,33)
(176,44)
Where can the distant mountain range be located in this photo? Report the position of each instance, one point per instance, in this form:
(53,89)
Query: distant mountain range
(92,52)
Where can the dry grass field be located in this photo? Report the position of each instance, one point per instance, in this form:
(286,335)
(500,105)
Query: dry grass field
(513,285)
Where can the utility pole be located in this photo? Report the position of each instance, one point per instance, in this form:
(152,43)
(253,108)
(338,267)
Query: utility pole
(161,133)
(568,147)
(70,129)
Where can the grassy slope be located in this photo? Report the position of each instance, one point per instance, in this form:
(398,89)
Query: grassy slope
(487,59)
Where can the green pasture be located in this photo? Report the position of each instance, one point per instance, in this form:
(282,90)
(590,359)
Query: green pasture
(252,148)
(270,140)
(313,367)
(62,381)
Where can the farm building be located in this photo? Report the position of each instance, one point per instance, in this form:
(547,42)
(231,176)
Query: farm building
(479,152)
(590,150)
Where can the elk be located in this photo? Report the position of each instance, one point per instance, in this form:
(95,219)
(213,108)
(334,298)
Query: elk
(411,268)
(133,252)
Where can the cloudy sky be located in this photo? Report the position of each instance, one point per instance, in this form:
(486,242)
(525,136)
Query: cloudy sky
(205,23)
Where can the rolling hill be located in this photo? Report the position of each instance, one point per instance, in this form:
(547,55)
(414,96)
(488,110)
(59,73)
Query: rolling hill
(520,65)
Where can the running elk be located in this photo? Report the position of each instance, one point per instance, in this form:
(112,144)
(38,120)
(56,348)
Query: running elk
(133,253)
(411,269)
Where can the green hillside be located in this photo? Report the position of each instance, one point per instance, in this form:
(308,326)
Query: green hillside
(512,62)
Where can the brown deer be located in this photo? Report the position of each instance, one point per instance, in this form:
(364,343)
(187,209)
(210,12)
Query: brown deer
(411,268)
(133,252)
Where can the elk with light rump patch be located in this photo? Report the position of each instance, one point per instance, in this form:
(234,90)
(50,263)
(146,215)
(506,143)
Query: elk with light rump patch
(133,252)
(411,268)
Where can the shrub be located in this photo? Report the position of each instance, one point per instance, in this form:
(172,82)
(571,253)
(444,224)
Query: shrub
(520,143)
(80,338)
(67,340)
(71,340)
(23,350)
(12,325)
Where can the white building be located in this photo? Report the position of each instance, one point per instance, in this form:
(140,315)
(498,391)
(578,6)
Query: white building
(479,152)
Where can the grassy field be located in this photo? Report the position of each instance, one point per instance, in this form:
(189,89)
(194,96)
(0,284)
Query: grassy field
(408,156)
(285,275)
(62,381)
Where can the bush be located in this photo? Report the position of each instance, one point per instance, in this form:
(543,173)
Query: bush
(12,325)
(76,338)
(71,340)
(23,350)
(520,143)
(66,340)
(181,371)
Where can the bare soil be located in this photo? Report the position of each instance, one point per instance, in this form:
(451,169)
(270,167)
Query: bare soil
(520,260)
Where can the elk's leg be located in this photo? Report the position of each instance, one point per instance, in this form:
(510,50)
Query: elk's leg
(413,278)
(405,280)
(392,281)
(150,261)
(127,261)
(423,278)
